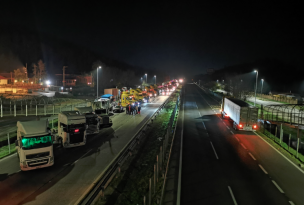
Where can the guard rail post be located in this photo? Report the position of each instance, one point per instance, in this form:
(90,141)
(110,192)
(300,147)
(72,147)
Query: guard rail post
(8,141)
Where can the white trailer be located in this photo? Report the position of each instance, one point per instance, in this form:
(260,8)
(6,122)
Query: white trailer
(92,120)
(34,145)
(71,129)
(244,116)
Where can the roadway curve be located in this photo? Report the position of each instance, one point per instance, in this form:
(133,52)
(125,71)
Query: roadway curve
(75,169)
(224,166)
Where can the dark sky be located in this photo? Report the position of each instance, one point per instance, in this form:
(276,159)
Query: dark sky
(185,37)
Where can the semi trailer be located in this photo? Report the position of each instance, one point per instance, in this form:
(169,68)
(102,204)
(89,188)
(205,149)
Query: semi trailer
(243,115)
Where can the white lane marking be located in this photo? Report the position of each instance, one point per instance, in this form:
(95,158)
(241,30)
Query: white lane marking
(231,132)
(228,128)
(232,196)
(281,154)
(262,168)
(82,156)
(278,187)
(291,203)
(4,158)
(243,146)
(214,150)
(224,123)
(252,156)
(237,139)
(204,126)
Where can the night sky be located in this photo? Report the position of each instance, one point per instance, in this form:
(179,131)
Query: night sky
(181,37)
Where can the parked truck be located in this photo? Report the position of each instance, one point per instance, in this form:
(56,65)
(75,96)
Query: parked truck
(243,115)
(71,129)
(104,108)
(92,120)
(34,145)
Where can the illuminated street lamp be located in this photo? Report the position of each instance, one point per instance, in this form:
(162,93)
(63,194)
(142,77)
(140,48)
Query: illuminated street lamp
(146,77)
(48,82)
(99,67)
(155,79)
(256,85)
(262,85)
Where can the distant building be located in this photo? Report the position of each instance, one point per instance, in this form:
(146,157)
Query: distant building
(72,80)
(210,71)
(6,78)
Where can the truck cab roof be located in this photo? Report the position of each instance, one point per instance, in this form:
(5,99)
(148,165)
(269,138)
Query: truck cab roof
(32,128)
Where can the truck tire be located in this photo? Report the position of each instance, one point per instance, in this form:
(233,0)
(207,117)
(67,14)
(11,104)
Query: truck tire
(60,142)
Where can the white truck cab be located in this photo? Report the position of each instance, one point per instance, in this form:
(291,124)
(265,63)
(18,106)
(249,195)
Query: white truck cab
(71,129)
(34,145)
(92,120)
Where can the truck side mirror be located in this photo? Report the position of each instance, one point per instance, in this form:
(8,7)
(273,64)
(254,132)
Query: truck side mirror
(16,143)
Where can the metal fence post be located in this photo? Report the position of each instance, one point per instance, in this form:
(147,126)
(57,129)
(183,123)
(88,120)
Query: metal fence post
(53,109)
(9,146)
(298,146)
(161,158)
(157,167)
(36,110)
(289,141)
(26,110)
(281,134)
(150,187)
(154,181)
(1,110)
(15,110)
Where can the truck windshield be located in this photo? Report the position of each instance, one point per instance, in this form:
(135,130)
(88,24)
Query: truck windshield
(36,142)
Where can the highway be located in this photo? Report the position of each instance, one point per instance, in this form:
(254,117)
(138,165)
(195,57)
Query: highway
(75,169)
(222,166)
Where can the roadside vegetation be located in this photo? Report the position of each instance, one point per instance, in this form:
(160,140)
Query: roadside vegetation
(132,184)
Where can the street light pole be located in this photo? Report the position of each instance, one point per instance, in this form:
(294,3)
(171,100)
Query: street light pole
(146,78)
(256,85)
(262,86)
(99,67)
(155,79)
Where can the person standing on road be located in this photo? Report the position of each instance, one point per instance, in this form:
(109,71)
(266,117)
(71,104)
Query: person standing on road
(139,108)
(136,108)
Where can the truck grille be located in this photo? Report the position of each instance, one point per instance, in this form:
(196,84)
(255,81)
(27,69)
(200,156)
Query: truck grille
(37,162)
(76,138)
(38,155)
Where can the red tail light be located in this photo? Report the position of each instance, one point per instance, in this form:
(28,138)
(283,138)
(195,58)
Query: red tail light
(240,125)
(76,130)
(254,126)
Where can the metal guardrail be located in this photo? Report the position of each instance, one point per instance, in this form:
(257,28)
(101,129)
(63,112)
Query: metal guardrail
(114,168)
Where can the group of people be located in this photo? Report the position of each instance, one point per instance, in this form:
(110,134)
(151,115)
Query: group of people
(133,109)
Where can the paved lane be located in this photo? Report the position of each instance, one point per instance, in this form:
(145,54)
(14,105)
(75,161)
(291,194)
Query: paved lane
(216,167)
(75,169)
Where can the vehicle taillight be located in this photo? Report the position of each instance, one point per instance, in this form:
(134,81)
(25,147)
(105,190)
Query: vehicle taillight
(254,126)
(76,130)
(240,125)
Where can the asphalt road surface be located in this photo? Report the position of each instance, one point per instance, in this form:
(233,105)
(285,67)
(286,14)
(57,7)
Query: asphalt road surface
(224,166)
(75,169)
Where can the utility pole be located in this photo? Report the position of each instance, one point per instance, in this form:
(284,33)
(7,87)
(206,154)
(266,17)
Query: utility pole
(35,72)
(63,75)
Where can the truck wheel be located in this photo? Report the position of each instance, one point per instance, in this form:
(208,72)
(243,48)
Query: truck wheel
(60,143)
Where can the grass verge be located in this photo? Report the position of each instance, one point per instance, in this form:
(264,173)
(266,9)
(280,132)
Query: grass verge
(4,151)
(282,149)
